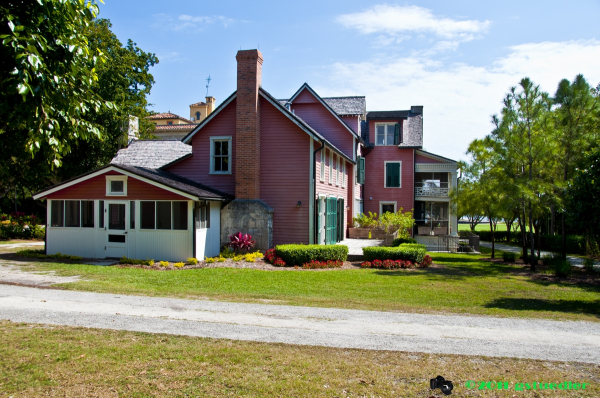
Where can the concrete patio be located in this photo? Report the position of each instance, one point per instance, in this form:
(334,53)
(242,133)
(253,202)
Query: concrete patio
(355,246)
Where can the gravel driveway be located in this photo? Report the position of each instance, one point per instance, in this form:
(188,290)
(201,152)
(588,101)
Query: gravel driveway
(471,335)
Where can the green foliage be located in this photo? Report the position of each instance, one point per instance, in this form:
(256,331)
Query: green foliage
(399,241)
(20,226)
(125,260)
(40,254)
(227,252)
(366,220)
(583,197)
(210,260)
(192,261)
(509,257)
(406,251)
(560,267)
(179,264)
(301,254)
(163,263)
(588,263)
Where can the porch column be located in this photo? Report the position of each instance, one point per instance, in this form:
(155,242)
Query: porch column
(452,214)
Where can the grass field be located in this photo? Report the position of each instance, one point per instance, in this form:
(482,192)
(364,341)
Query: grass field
(40,360)
(485,226)
(460,284)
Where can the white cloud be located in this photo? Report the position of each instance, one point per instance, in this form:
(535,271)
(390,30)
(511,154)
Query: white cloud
(189,22)
(394,20)
(459,99)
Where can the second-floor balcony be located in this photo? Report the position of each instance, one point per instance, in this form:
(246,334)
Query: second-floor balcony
(432,188)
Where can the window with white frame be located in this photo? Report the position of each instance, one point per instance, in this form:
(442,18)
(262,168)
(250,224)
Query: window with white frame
(338,171)
(72,213)
(330,167)
(164,214)
(322,164)
(202,215)
(116,185)
(220,155)
(393,172)
(387,134)
(387,207)
(343,173)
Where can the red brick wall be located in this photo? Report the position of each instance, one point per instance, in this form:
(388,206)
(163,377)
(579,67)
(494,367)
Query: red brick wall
(197,167)
(95,188)
(248,125)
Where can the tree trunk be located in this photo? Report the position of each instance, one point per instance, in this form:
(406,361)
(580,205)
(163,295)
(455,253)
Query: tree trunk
(522,225)
(533,259)
(538,233)
(493,241)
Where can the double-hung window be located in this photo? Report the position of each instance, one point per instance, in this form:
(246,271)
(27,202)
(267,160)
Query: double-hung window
(387,134)
(322,164)
(343,173)
(220,155)
(330,167)
(393,172)
(338,172)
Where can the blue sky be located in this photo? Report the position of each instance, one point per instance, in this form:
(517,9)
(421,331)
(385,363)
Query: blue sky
(457,59)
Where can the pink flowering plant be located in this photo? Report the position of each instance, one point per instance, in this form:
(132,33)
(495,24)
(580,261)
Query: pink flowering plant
(239,242)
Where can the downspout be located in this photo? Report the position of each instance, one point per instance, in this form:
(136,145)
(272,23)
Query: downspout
(316,234)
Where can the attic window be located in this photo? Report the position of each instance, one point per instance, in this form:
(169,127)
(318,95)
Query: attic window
(387,134)
(116,185)
(169,123)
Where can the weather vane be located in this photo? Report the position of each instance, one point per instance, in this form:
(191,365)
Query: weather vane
(207,84)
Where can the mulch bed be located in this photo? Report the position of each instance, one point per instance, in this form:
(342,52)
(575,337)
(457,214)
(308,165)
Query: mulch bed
(544,273)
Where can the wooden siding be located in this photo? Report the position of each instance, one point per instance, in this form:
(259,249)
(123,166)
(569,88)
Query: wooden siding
(374,179)
(353,122)
(325,188)
(309,109)
(285,174)
(425,159)
(197,167)
(95,188)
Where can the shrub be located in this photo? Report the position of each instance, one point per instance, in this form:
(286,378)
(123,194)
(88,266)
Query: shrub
(221,259)
(301,254)
(365,264)
(399,241)
(209,260)
(427,261)
(387,264)
(40,254)
(241,242)
(588,263)
(278,262)
(227,252)
(366,221)
(163,263)
(179,265)
(509,257)
(560,267)
(126,260)
(238,258)
(389,222)
(406,251)
(192,261)
(18,225)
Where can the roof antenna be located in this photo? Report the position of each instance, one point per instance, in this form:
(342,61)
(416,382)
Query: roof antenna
(207,84)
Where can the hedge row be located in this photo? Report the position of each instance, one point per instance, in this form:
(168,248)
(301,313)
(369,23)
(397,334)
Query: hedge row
(302,254)
(575,243)
(407,251)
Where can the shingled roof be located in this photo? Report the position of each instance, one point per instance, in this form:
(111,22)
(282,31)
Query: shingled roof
(412,127)
(343,106)
(347,105)
(152,154)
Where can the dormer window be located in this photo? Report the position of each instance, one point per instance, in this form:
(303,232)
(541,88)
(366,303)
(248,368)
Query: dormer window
(169,123)
(116,185)
(387,134)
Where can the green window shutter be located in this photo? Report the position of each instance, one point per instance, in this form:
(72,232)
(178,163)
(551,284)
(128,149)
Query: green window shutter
(360,175)
(392,175)
(397,134)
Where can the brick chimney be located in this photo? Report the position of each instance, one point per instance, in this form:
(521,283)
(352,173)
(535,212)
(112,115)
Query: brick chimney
(247,125)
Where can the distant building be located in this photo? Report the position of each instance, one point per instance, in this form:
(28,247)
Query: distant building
(170,125)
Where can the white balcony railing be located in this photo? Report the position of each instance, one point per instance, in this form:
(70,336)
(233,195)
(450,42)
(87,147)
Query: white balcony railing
(432,192)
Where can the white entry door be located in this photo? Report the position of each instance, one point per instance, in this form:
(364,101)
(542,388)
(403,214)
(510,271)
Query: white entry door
(116,213)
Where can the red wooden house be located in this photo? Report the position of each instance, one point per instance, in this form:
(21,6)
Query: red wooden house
(284,171)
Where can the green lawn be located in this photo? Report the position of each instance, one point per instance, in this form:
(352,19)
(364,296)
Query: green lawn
(463,284)
(483,227)
(39,360)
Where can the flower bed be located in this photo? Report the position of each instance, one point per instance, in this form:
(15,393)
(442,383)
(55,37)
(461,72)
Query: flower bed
(397,264)
(314,264)
(19,225)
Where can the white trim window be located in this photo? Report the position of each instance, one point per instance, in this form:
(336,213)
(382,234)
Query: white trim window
(330,167)
(385,207)
(343,173)
(385,134)
(323,165)
(72,213)
(116,185)
(164,214)
(220,155)
(338,171)
(392,174)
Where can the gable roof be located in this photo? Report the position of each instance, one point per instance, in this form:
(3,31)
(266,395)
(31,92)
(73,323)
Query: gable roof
(163,179)
(168,115)
(305,86)
(301,123)
(434,156)
(152,154)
